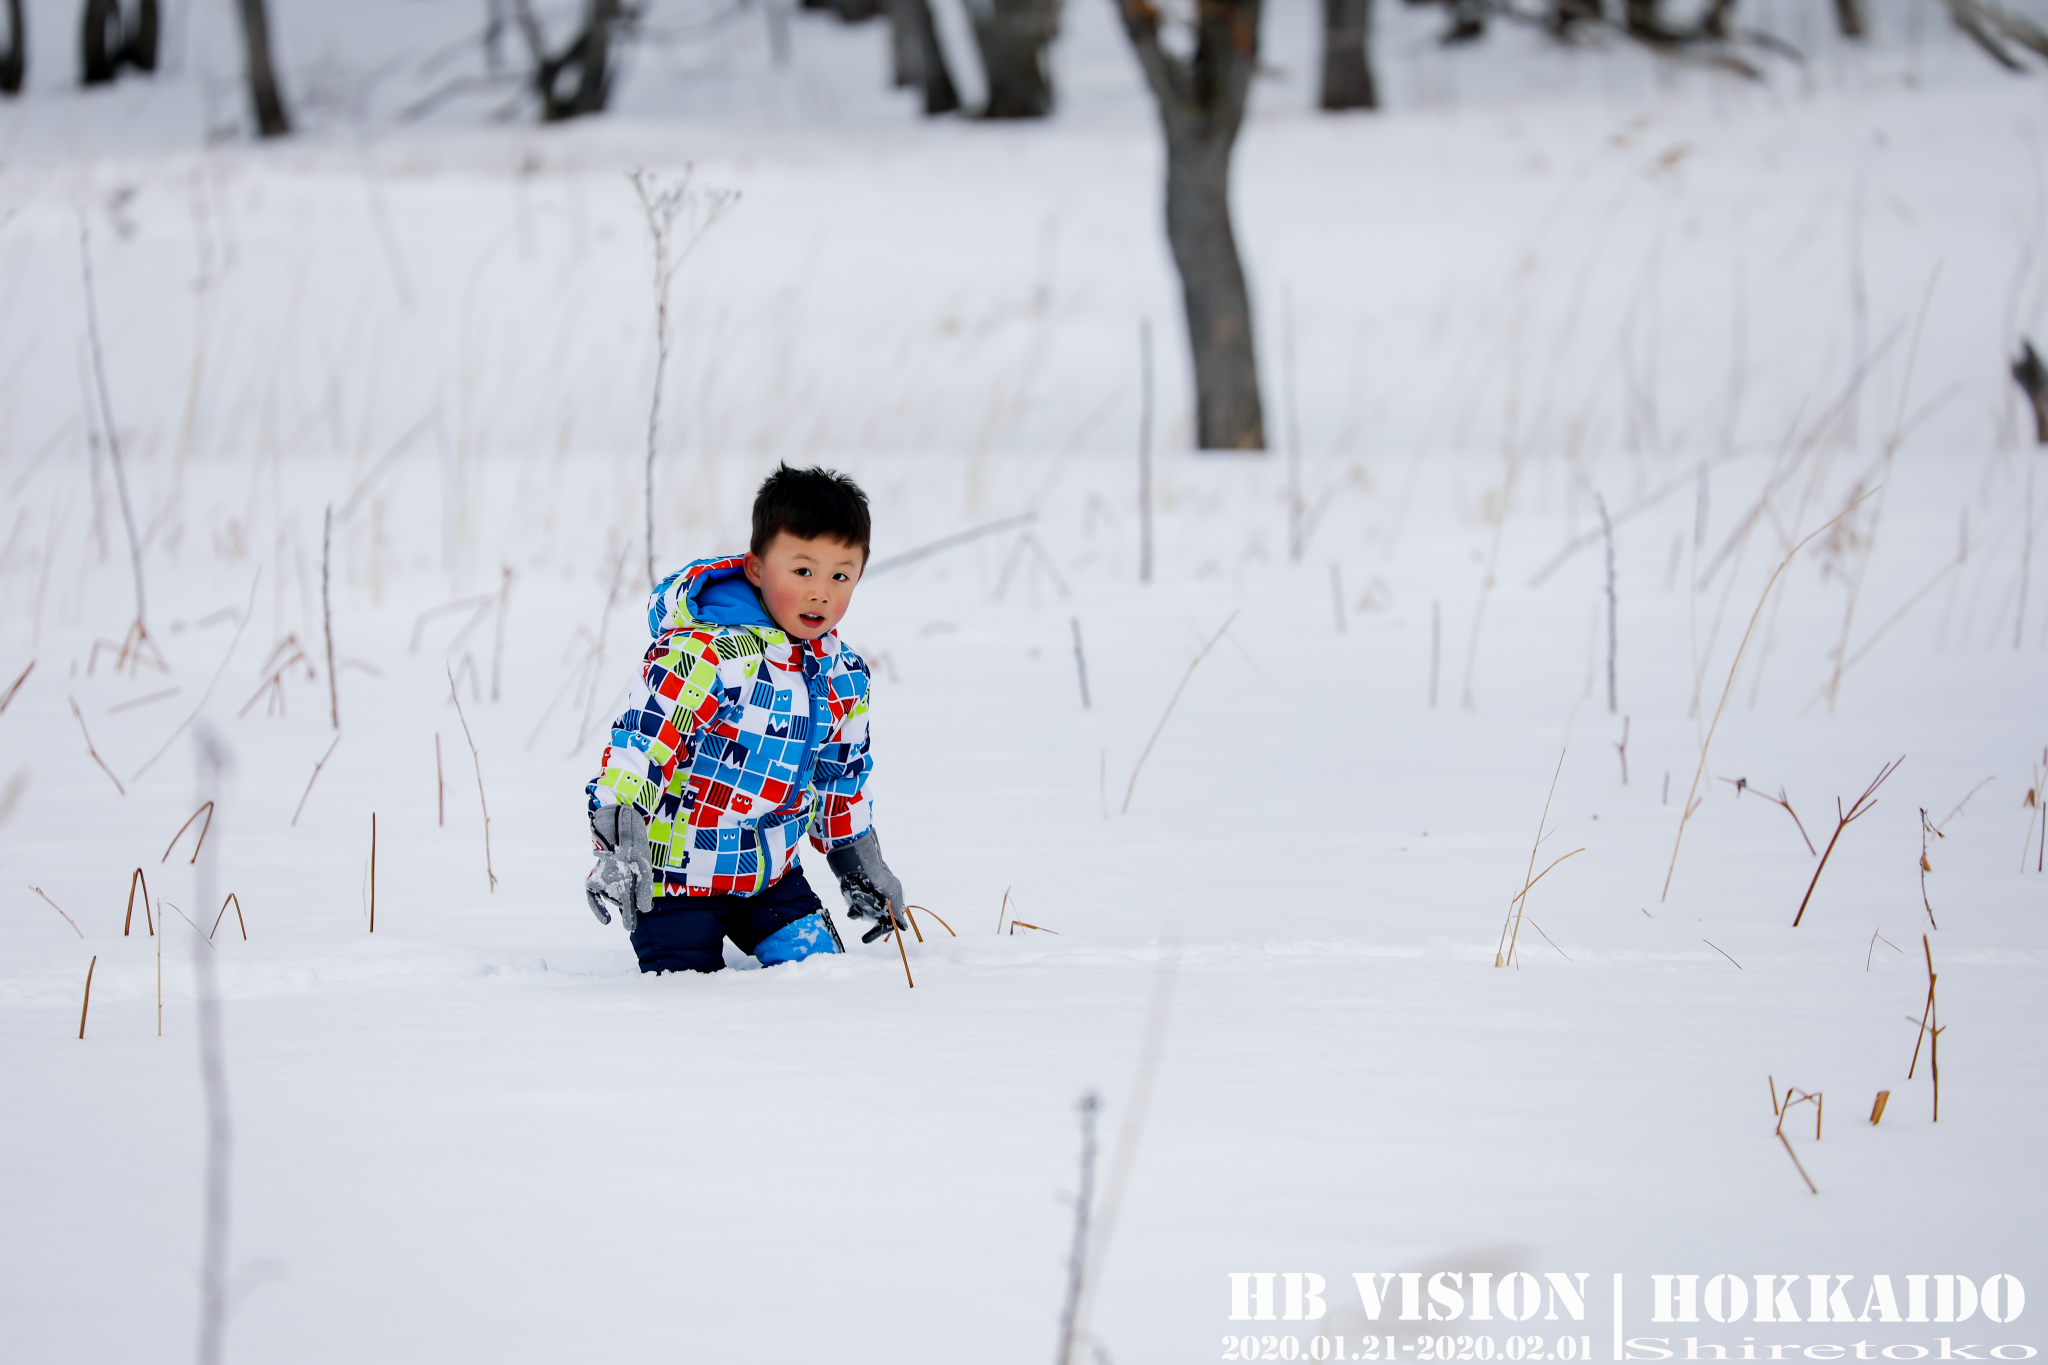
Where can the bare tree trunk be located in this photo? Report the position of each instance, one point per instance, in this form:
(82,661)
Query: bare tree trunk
(919,60)
(13,61)
(1201,106)
(110,39)
(577,80)
(263,96)
(1347,55)
(1013,36)
(1714,23)
(1849,18)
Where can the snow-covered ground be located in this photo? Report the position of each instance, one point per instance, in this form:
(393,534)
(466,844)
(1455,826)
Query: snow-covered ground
(1541,282)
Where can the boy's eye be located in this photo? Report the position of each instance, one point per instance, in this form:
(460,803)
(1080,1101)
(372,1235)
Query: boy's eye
(803,573)
(839,578)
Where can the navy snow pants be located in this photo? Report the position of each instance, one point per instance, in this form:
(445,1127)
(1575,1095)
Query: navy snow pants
(783,923)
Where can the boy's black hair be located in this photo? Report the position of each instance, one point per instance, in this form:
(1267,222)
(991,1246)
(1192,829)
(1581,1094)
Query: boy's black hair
(810,504)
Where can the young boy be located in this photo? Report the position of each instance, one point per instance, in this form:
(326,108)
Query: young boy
(751,725)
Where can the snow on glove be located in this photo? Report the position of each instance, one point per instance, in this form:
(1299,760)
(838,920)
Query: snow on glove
(870,888)
(623,879)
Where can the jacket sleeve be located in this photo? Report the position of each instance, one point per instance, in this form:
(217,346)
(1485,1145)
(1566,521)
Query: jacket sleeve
(840,812)
(679,691)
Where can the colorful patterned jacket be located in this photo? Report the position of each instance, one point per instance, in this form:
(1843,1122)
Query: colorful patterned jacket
(738,740)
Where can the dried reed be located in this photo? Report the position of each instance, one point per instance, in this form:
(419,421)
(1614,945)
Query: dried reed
(935,915)
(197,844)
(476,759)
(327,616)
(60,910)
(1925,866)
(86,1004)
(207,695)
(1621,748)
(440,786)
(1081,665)
(373,867)
(901,951)
(1930,1032)
(1722,951)
(16,685)
(148,920)
(314,778)
(235,901)
(1017,924)
(1171,703)
(95,752)
(1729,686)
(1863,805)
(1511,929)
(1877,1107)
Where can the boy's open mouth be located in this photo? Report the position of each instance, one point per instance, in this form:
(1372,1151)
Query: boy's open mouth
(811,618)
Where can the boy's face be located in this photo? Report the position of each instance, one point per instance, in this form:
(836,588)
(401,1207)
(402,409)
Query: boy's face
(806,584)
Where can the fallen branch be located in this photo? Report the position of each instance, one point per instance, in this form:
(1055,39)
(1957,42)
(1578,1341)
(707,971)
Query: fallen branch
(95,752)
(1169,710)
(1863,805)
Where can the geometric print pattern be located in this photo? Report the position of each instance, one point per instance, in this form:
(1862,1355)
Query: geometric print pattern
(738,742)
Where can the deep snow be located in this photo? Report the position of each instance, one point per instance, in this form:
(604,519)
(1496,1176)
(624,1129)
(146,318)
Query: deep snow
(479,1134)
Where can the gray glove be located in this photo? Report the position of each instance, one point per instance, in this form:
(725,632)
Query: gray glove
(870,888)
(623,879)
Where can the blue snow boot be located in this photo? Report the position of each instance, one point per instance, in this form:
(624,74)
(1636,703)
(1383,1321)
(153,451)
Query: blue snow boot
(795,941)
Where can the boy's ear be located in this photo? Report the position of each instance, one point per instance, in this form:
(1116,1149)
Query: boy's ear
(753,568)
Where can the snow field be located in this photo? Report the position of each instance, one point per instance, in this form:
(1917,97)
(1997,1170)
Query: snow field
(479,1134)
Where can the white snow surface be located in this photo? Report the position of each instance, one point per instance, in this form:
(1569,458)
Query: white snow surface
(1539,282)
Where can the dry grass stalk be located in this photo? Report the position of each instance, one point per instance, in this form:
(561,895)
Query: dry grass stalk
(1930,1032)
(476,759)
(1863,806)
(327,616)
(283,656)
(60,910)
(1811,1187)
(1875,939)
(935,915)
(479,607)
(134,703)
(440,786)
(235,901)
(1877,1108)
(1017,924)
(1925,866)
(1722,951)
(1510,930)
(1812,1097)
(1741,785)
(901,951)
(188,920)
(2040,806)
(1171,702)
(148,920)
(1622,749)
(87,1005)
(16,685)
(314,778)
(207,695)
(1705,744)
(373,869)
(106,415)
(200,842)
(1002,910)
(95,752)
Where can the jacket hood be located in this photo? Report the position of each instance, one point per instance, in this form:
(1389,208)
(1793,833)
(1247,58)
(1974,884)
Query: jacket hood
(711,591)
